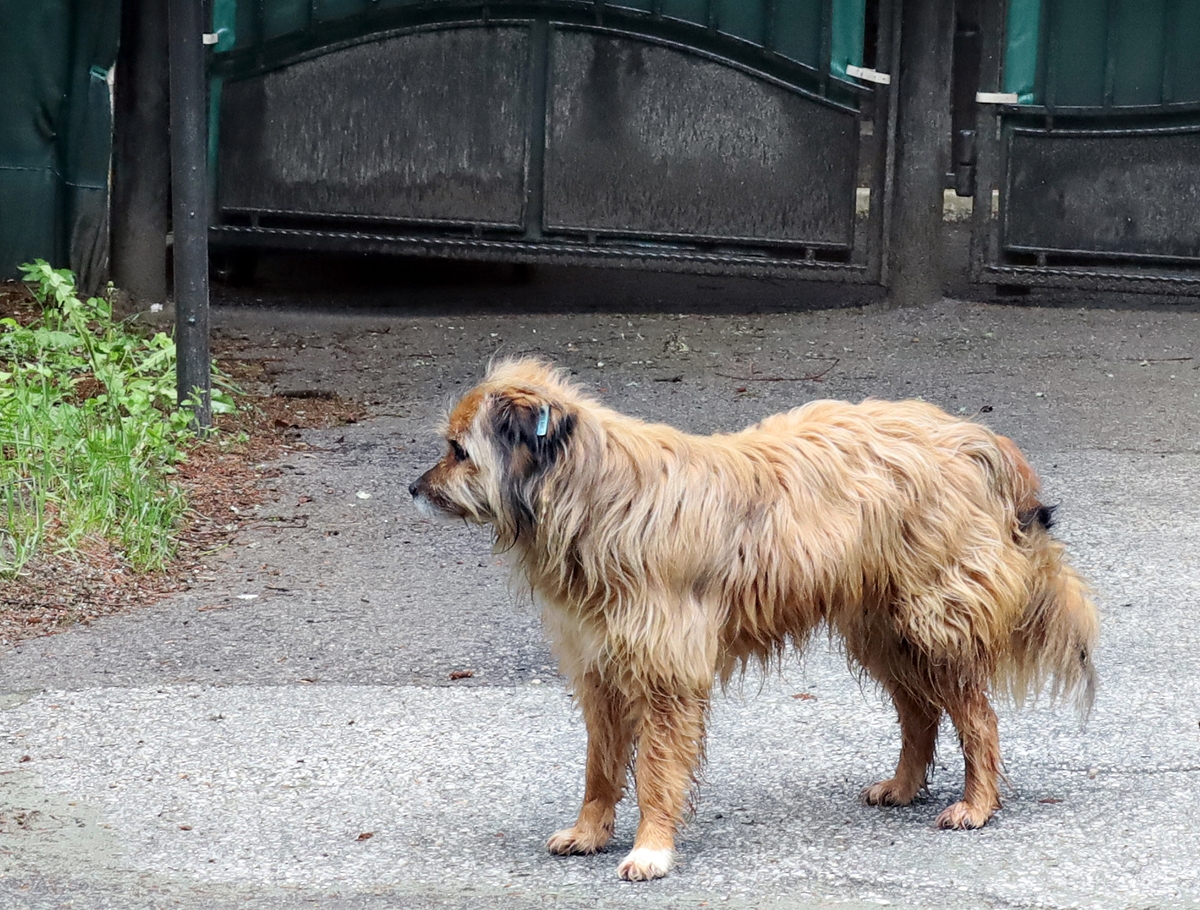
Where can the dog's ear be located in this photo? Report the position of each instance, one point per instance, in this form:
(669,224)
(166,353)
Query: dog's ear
(531,431)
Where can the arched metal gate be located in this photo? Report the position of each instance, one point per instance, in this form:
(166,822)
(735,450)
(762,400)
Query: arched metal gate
(1089,145)
(699,134)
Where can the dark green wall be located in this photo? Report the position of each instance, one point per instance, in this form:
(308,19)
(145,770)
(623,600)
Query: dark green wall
(57,133)
(1084,53)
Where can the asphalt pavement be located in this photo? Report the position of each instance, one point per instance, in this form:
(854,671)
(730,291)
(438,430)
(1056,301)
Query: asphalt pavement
(286,733)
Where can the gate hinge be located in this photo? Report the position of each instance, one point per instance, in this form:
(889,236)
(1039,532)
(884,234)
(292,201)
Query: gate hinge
(868,75)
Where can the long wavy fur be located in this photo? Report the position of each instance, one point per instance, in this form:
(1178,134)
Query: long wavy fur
(665,559)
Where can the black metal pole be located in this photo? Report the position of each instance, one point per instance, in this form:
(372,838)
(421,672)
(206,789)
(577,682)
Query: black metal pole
(922,150)
(141,153)
(190,205)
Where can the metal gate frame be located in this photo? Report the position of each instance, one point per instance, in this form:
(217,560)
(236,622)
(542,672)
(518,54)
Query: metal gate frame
(1009,130)
(872,101)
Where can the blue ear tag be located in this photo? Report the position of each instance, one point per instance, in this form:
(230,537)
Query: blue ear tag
(543,420)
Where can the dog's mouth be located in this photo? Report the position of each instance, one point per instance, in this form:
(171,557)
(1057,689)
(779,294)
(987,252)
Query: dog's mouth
(436,509)
(431,504)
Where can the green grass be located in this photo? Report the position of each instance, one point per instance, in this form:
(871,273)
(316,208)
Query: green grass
(90,431)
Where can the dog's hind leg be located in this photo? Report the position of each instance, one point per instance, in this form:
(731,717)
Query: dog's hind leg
(669,749)
(918,740)
(610,736)
(980,738)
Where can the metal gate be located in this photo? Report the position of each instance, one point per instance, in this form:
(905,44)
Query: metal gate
(1089,148)
(690,134)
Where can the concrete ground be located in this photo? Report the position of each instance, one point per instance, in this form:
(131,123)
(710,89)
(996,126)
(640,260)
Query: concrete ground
(286,733)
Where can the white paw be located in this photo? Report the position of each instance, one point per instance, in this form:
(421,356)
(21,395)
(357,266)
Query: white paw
(643,864)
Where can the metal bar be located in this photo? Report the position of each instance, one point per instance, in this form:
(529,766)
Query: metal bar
(1170,51)
(985,230)
(260,21)
(1047,55)
(189,120)
(1084,279)
(884,185)
(1110,54)
(535,169)
(770,12)
(1062,252)
(826,50)
(633,254)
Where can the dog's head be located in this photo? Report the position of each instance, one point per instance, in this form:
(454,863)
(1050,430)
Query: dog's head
(503,439)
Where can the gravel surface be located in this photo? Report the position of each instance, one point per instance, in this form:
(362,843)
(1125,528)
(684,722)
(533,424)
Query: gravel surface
(286,733)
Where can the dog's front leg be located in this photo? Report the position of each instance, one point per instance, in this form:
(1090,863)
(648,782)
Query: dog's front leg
(977,731)
(669,747)
(610,737)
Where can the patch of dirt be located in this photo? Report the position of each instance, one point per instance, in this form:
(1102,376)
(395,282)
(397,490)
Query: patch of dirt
(220,478)
(17,303)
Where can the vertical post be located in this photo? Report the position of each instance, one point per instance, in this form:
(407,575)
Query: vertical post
(985,227)
(141,152)
(922,144)
(189,121)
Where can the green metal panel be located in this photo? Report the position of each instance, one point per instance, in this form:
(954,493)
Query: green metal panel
(225,23)
(795,29)
(1090,54)
(1076,48)
(745,19)
(642,6)
(686,10)
(1021,49)
(56,142)
(32,78)
(798,32)
(338,9)
(1182,82)
(848,30)
(280,17)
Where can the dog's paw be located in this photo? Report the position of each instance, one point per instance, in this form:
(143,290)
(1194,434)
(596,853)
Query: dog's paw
(962,816)
(643,864)
(578,840)
(887,793)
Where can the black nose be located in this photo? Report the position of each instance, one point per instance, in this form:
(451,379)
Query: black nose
(412,489)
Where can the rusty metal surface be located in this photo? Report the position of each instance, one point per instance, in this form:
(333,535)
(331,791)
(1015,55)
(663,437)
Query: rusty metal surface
(426,126)
(648,139)
(1128,195)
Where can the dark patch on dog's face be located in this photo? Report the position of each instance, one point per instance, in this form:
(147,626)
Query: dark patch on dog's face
(1042,515)
(527,456)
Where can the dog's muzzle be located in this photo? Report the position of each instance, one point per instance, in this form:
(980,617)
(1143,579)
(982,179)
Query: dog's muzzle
(427,503)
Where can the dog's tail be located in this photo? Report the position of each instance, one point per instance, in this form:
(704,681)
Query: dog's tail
(1057,634)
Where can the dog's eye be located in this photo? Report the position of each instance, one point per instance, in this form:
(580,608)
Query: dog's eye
(459,452)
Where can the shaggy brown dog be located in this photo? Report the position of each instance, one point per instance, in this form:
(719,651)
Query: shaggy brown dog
(664,560)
